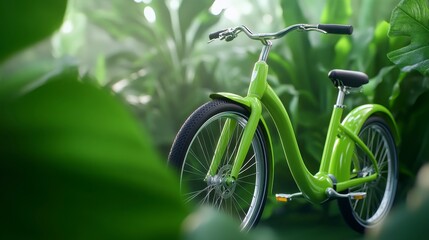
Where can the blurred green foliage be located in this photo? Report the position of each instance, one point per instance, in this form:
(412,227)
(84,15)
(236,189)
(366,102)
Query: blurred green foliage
(409,220)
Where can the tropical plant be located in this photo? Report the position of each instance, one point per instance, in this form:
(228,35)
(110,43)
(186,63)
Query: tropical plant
(410,98)
(411,19)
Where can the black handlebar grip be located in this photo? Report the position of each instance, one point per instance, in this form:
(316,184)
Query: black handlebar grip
(336,28)
(215,35)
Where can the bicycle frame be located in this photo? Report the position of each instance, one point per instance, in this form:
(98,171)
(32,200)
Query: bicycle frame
(339,147)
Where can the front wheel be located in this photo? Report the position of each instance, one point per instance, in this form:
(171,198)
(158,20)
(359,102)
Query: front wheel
(192,153)
(380,194)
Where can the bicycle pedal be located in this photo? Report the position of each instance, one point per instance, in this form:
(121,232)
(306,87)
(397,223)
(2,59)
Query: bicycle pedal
(355,195)
(281,197)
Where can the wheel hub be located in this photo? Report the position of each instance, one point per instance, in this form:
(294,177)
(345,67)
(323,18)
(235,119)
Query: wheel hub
(223,187)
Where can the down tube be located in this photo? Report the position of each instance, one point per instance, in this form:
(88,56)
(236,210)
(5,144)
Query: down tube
(312,187)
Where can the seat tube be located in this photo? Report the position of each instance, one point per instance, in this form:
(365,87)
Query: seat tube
(333,129)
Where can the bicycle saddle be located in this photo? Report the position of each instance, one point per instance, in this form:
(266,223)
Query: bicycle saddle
(347,78)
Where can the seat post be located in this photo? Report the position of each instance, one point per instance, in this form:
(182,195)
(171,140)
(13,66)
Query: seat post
(341,94)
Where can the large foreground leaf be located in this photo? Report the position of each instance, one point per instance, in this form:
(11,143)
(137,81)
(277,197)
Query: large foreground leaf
(411,19)
(75,165)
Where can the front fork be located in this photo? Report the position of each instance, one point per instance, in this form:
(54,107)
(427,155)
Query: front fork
(244,145)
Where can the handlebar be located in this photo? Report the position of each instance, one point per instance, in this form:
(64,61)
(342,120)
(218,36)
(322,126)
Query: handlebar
(231,33)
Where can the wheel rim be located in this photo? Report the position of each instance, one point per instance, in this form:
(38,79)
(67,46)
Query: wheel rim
(239,199)
(380,193)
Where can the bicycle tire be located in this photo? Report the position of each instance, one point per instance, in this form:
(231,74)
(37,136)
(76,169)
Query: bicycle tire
(191,154)
(368,212)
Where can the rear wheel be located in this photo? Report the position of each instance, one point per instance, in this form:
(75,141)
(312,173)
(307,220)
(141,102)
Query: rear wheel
(192,153)
(380,194)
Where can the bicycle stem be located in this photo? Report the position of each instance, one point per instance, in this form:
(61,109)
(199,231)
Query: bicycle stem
(265,51)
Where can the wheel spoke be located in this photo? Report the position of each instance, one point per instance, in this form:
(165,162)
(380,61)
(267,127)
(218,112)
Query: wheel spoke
(237,198)
(213,142)
(234,202)
(194,194)
(246,176)
(248,167)
(206,198)
(237,143)
(228,160)
(245,189)
(203,149)
(194,155)
(201,173)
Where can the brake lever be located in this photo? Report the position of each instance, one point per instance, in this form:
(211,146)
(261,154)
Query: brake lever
(311,28)
(230,37)
(227,35)
(227,38)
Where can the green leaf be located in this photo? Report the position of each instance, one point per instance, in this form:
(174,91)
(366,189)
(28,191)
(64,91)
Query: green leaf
(370,12)
(100,70)
(204,21)
(194,18)
(25,22)
(337,12)
(164,21)
(301,54)
(190,10)
(342,51)
(75,165)
(410,87)
(380,88)
(411,19)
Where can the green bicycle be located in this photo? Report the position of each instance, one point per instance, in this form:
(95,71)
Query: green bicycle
(224,149)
